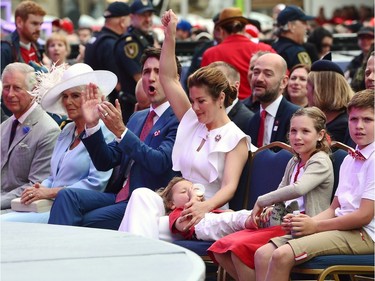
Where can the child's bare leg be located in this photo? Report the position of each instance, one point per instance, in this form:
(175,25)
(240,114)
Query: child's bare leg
(244,272)
(225,260)
(262,258)
(281,264)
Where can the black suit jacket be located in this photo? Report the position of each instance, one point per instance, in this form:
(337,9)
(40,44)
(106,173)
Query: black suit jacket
(280,126)
(240,115)
(253,106)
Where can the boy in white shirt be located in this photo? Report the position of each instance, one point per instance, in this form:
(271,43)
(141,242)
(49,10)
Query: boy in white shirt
(348,225)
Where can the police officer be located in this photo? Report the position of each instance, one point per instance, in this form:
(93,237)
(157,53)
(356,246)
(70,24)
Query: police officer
(99,49)
(291,31)
(128,51)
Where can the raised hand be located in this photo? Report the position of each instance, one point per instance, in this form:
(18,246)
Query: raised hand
(169,21)
(91,98)
(112,117)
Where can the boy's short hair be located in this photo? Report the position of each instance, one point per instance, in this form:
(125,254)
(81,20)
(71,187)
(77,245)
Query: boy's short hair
(362,99)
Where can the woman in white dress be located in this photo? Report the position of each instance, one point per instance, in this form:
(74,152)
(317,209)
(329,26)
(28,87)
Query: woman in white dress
(209,148)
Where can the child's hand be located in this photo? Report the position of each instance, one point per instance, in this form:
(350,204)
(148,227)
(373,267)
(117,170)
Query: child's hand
(255,213)
(251,222)
(194,211)
(286,223)
(182,223)
(265,215)
(303,225)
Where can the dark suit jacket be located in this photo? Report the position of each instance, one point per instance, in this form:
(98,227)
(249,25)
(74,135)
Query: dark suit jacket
(280,126)
(152,159)
(253,106)
(338,128)
(240,115)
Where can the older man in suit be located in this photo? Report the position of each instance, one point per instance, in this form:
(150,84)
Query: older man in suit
(143,159)
(268,82)
(27,137)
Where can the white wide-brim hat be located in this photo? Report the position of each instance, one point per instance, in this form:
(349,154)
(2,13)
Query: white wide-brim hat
(77,75)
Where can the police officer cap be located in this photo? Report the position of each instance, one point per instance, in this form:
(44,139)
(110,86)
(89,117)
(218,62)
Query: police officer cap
(291,13)
(141,6)
(117,9)
(325,64)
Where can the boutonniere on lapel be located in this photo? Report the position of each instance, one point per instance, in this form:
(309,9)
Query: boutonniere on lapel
(25,129)
(276,125)
(157,133)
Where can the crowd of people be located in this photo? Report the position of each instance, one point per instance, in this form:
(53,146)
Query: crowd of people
(118,141)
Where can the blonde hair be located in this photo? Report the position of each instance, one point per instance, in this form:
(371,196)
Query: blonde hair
(331,90)
(167,195)
(58,37)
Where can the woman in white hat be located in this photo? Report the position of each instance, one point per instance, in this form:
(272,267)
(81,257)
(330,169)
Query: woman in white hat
(71,165)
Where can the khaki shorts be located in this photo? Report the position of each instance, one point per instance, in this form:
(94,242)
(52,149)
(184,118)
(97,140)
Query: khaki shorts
(335,242)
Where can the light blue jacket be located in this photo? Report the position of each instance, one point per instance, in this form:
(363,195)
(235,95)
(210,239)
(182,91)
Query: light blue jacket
(74,168)
(70,169)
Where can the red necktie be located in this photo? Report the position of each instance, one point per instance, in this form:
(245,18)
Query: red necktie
(263,115)
(357,155)
(149,123)
(13,131)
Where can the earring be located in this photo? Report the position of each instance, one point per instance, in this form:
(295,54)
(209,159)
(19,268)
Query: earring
(221,106)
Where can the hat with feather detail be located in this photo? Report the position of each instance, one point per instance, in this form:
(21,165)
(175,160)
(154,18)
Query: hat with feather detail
(60,78)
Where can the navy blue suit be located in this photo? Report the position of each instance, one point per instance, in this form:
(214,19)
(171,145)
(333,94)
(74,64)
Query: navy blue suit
(253,106)
(280,126)
(152,168)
